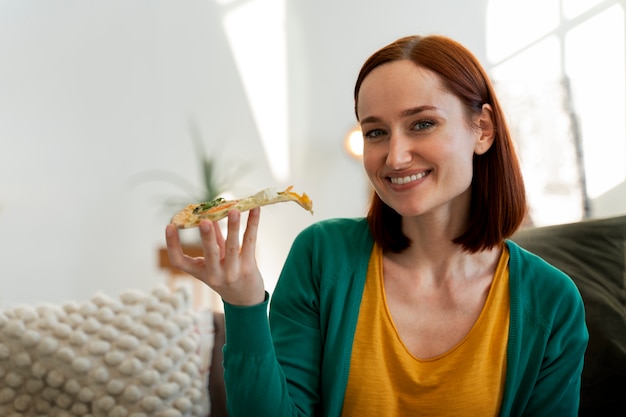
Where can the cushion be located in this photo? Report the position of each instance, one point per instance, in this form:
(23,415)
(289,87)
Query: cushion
(593,254)
(139,355)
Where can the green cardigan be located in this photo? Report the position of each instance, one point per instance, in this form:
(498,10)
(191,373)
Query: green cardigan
(300,367)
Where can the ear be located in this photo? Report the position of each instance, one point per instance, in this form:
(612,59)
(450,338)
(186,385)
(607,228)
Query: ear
(486,130)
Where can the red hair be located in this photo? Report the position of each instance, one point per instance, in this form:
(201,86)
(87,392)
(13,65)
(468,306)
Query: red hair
(498,196)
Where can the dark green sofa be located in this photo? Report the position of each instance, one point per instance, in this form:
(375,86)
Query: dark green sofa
(593,254)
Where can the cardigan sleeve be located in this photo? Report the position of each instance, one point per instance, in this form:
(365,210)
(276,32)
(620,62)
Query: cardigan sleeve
(548,339)
(276,372)
(557,388)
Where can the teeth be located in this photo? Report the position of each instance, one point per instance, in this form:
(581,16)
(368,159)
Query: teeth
(404,180)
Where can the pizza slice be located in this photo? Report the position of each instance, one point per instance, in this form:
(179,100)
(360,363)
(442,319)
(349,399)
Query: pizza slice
(217,209)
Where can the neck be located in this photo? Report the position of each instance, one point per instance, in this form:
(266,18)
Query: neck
(432,252)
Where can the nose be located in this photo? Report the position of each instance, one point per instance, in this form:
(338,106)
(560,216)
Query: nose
(399,152)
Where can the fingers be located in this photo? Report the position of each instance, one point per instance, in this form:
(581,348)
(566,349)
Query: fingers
(211,245)
(226,266)
(248,247)
(221,242)
(174,249)
(231,255)
(175,252)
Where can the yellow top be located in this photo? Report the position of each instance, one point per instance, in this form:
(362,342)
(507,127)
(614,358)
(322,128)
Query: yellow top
(387,380)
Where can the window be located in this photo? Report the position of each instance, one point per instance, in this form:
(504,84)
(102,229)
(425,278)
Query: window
(559,69)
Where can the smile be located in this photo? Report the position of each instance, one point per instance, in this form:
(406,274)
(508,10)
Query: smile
(407,179)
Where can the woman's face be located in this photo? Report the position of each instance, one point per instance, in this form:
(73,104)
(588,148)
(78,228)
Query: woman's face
(418,143)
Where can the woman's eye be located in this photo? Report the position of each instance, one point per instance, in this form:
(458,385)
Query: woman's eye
(373,134)
(423,125)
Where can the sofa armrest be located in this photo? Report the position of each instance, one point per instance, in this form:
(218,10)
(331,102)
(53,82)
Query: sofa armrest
(217,390)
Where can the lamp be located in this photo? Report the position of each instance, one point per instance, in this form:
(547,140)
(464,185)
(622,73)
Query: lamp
(354,142)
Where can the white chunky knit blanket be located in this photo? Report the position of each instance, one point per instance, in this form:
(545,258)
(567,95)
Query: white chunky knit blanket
(142,355)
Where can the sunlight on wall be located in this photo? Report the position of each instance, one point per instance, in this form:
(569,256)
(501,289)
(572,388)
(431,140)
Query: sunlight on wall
(256,33)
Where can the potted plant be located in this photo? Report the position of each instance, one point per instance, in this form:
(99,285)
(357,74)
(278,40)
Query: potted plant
(216,180)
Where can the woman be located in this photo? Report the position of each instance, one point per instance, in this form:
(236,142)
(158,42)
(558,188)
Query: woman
(424,307)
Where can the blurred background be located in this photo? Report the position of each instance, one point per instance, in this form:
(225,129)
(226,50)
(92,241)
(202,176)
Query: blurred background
(110,110)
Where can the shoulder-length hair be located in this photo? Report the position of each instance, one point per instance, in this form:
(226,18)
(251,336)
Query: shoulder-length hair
(498,196)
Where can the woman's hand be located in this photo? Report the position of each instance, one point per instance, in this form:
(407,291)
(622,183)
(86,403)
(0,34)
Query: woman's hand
(227,267)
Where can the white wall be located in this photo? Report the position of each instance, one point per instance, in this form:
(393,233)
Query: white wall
(95,94)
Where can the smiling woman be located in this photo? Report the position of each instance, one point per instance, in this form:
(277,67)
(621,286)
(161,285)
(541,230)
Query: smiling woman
(427,284)
(463,81)
(419,145)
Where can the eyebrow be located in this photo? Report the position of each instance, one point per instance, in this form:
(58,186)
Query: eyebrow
(409,112)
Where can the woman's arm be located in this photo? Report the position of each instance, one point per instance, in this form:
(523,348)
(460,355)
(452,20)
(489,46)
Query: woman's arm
(557,387)
(547,340)
(277,371)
